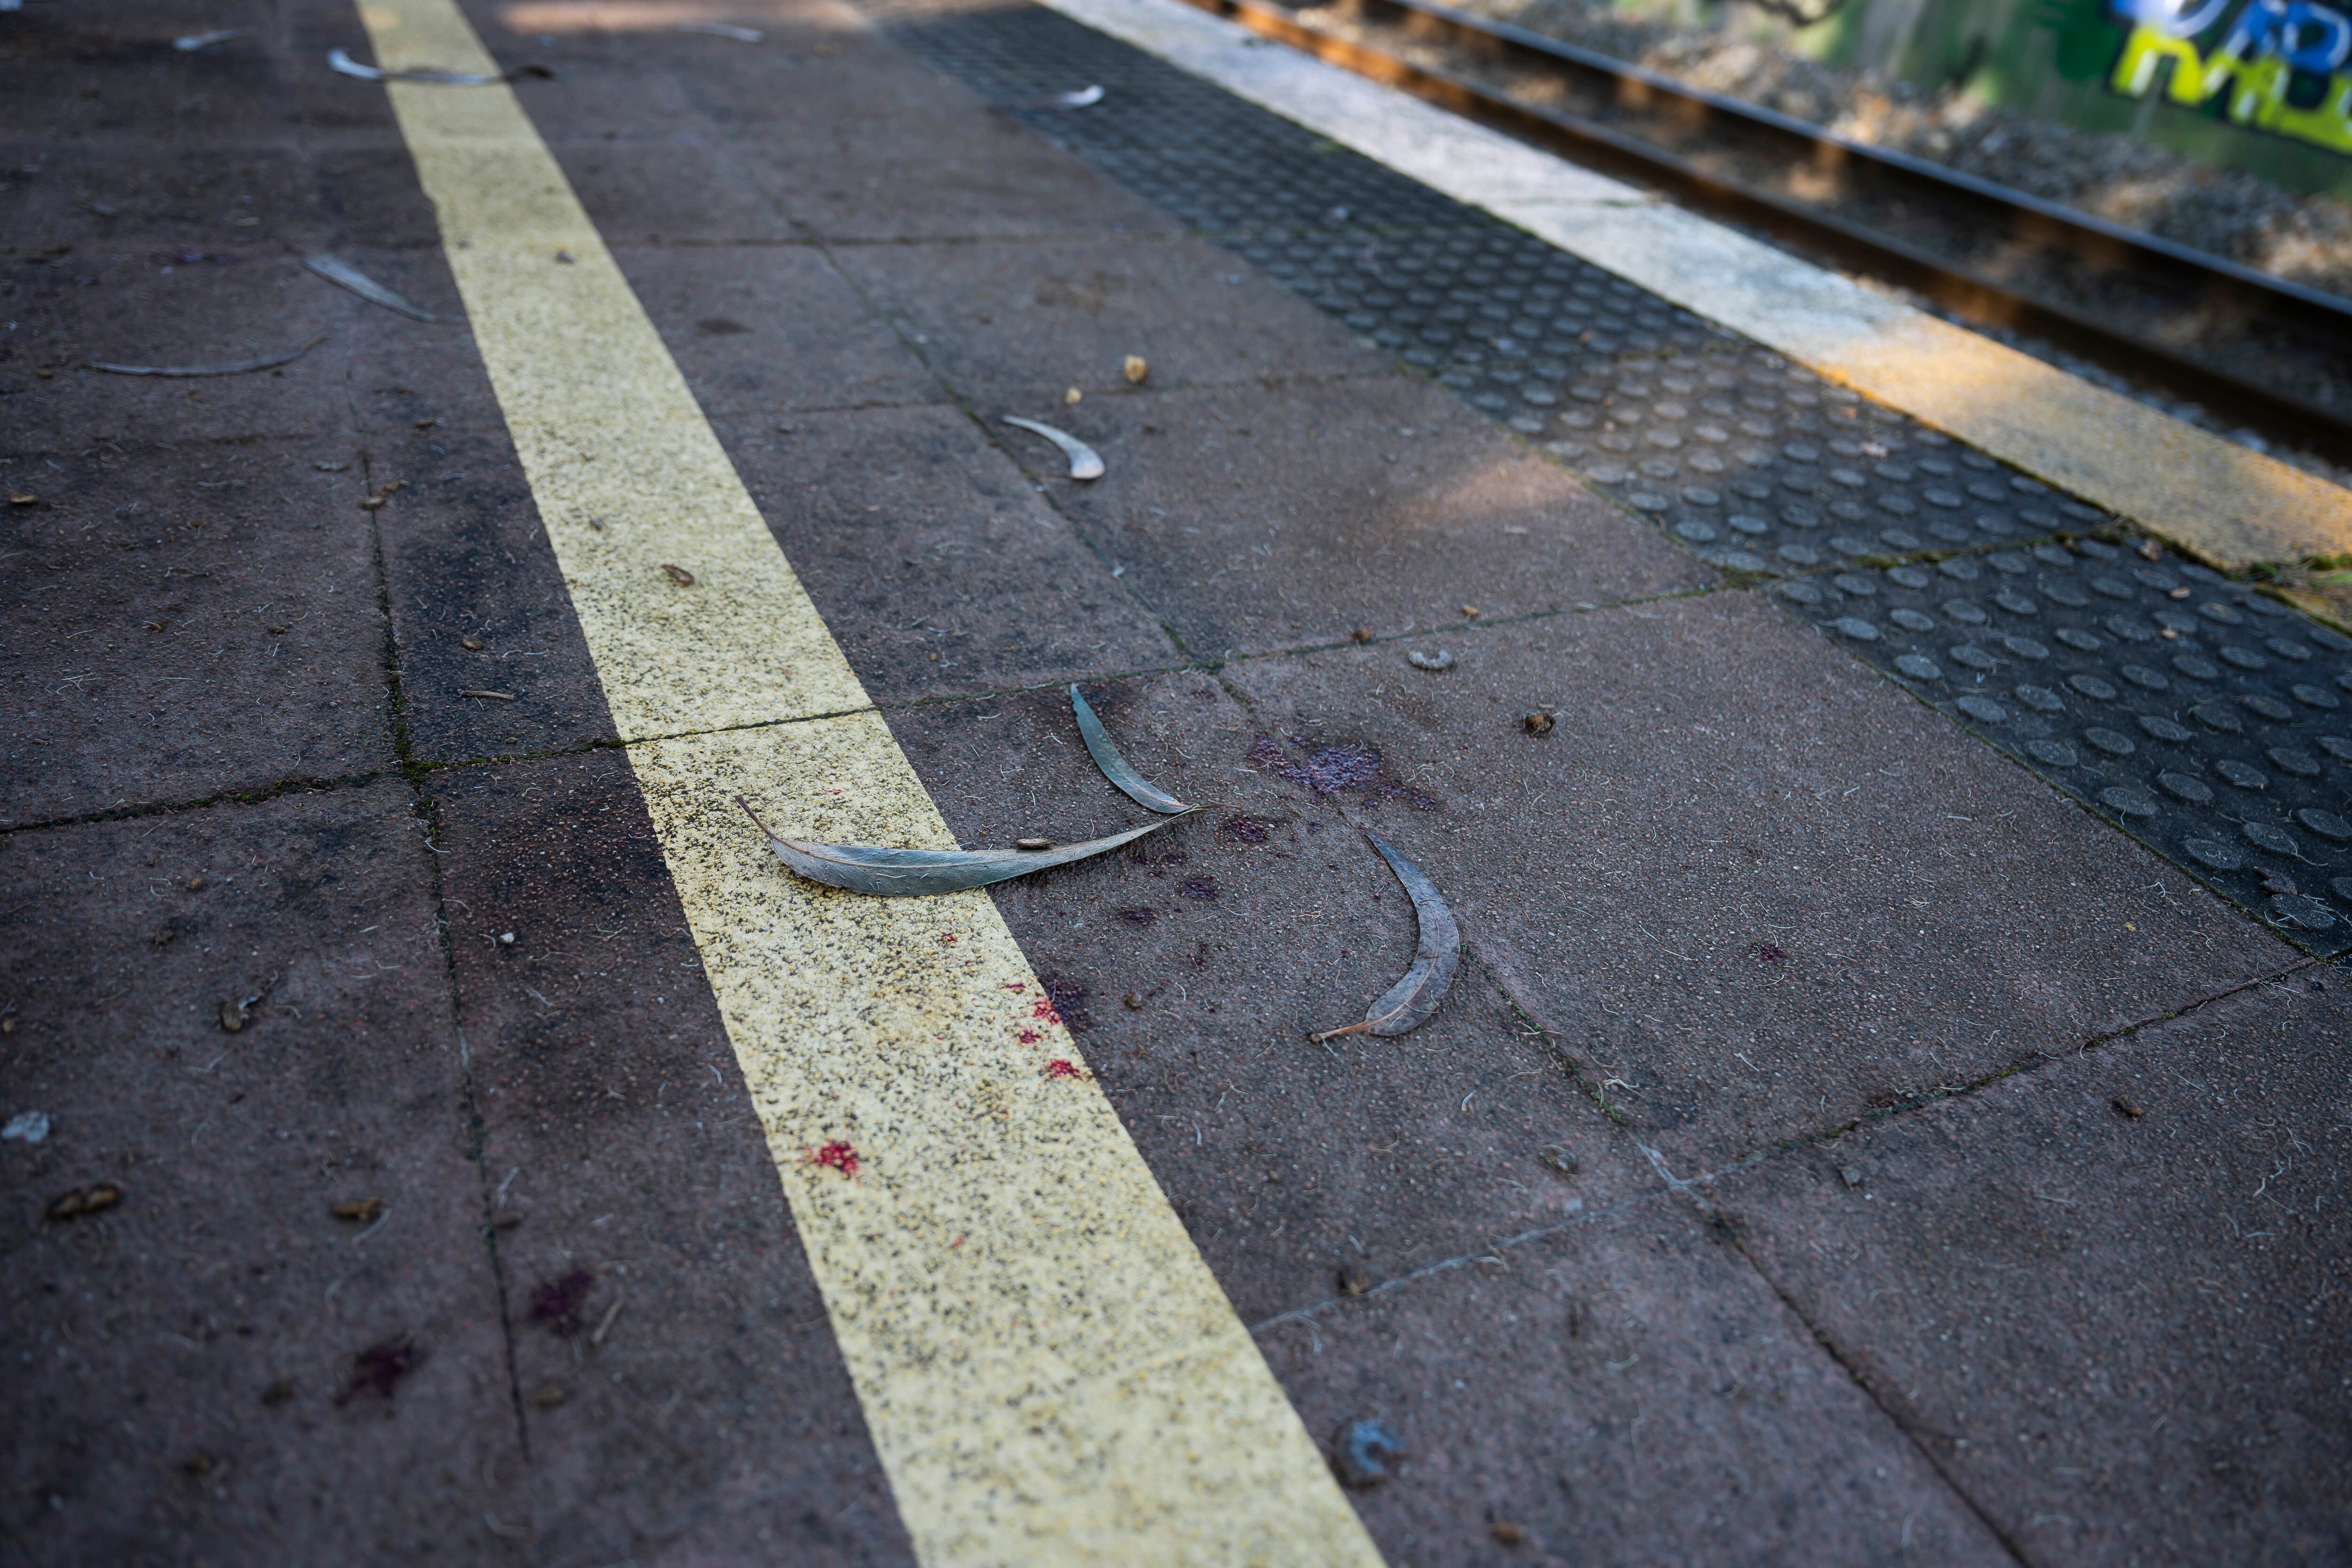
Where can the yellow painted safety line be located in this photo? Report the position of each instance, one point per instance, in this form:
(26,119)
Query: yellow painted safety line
(1049,1370)
(2213,496)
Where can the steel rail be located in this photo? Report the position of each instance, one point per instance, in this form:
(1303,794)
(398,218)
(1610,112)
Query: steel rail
(2198,278)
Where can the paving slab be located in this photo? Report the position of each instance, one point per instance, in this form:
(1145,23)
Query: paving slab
(466,563)
(117,197)
(1271,516)
(128,310)
(2108,1295)
(1193,967)
(916,538)
(1017,323)
(1758,889)
(217,1368)
(761,330)
(681,1388)
(188,622)
(1621,1390)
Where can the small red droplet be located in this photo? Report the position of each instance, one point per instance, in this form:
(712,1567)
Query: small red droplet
(1030,1037)
(1059,1068)
(1044,1010)
(1015,985)
(947,937)
(841,1157)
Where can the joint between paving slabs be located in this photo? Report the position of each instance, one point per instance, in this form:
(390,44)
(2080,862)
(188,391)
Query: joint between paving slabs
(425,809)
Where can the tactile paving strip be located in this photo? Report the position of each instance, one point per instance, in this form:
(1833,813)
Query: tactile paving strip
(2207,724)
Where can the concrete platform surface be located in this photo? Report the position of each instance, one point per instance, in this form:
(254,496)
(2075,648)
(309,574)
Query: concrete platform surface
(1841,1143)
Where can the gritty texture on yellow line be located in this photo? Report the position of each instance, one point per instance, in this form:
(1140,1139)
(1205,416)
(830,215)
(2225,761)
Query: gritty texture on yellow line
(1050,1373)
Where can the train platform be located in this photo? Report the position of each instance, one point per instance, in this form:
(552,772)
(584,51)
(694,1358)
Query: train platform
(1891,1104)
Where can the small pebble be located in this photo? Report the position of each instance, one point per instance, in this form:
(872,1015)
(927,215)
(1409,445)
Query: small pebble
(1032,844)
(1539,723)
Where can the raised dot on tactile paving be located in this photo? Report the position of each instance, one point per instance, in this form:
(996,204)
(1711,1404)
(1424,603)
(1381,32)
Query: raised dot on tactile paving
(2075,637)
(2244,658)
(1853,626)
(2264,836)
(2335,746)
(2195,668)
(2114,742)
(2141,675)
(2302,909)
(2129,802)
(2051,753)
(1855,582)
(1973,657)
(1897,539)
(1918,667)
(2212,853)
(2165,730)
(2041,699)
(2314,696)
(2016,603)
(2301,764)
(2327,824)
(1909,577)
(2239,775)
(1984,710)
(2288,648)
(2092,686)
(2186,787)
(1911,621)
(2025,647)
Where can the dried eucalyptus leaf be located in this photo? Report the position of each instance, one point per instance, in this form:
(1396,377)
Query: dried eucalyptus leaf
(1411,1000)
(194,41)
(720,30)
(1137,787)
(1086,463)
(227,368)
(901,874)
(427,75)
(336,270)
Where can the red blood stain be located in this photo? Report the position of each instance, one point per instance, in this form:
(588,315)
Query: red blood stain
(948,938)
(1060,1069)
(1030,1037)
(1016,984)
(1044,1010)
(841,1157)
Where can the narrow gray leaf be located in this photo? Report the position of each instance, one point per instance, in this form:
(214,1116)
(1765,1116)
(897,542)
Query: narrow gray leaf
(194,41)
(343,62)
(227,367)
(336,270)
(1086,463)
(1138,789)
(720,30)
(863,868)
(1411,1000)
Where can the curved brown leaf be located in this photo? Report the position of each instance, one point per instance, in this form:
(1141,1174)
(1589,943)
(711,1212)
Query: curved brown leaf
(1411,1000)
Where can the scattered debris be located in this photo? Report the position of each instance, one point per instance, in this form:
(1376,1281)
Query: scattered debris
(1132,1001)
(278,1391)
(2126,1109)
(2275,883)
(1032,844)
(1086,463)
(1539,723)
(338,271)
(1505,1532)
(358,1211)
(1441,660)
(429,77)
(863,868)
(1470,612)
(190,43)
(495,696)
(1361,634)
(1084,97)
(1061,1067)
(548,1396)
(721,30)
(1143,915)
(1850,1175)
(374,500)
(678,574)
(1073,397)
(1559,1159)
(378,1368)
(27,1127)
(1136,368)
(555,1304)
(225,368)
(22,498)
(1362,1451)
(471,644)
(604,1323)
(1354,1281)
(103,209)
(84,1200)
(1133,785)
(836,1156)
(1411,999)
(235,1015)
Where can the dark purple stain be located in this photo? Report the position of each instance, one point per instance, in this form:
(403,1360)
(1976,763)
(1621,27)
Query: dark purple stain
(1069,1000)
(1138,916)
(1331,769)
(378,1368)
(1248,830)
(557,1302)
(1767,953)
(1200,887)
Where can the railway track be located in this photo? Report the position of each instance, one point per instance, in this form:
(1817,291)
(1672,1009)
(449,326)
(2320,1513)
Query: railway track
(2251,350)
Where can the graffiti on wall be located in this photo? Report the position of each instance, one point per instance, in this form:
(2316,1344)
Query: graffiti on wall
(2270,65)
